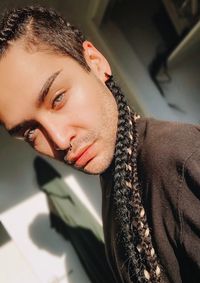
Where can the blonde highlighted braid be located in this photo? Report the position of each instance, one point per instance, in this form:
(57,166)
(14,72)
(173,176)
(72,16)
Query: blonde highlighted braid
(142,263)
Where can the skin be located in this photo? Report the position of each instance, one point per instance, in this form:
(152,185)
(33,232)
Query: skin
(78,109)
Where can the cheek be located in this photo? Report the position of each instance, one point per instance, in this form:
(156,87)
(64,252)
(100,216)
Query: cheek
(83,108)
(43,146)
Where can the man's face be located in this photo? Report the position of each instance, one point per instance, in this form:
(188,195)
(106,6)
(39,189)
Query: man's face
(51,101)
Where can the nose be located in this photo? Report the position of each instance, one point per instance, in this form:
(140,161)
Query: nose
(58,134)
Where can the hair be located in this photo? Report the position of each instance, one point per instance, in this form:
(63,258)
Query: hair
(44,28)
(142,263)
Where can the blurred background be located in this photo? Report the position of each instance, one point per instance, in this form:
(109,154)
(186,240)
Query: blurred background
(153,48)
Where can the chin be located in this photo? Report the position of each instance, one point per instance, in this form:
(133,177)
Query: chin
(97,166)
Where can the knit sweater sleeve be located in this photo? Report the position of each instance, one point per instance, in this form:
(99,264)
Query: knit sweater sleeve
(189,215)
(169,169)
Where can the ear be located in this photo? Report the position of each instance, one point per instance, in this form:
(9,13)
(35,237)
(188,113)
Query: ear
(96,61)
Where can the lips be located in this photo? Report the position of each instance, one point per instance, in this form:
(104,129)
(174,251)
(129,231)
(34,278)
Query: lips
(81,158)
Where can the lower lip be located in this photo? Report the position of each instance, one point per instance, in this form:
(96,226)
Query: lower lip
(85,157)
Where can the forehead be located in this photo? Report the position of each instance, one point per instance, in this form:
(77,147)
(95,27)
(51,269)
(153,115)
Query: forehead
(22,75)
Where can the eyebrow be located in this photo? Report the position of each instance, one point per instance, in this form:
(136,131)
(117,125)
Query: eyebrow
(46,87)
(41,98)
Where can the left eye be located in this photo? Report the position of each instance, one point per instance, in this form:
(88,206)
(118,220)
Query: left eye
(58,99)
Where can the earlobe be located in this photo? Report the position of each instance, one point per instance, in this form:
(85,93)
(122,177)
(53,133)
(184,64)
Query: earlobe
(107,76)
(96,61)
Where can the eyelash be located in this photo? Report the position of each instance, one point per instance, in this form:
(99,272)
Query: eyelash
(59,96)
(31,131)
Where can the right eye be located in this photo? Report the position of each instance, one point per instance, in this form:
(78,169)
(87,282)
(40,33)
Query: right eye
(29,135)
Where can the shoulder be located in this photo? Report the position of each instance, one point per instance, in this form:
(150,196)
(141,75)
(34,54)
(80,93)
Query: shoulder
(166,141)
(170,170)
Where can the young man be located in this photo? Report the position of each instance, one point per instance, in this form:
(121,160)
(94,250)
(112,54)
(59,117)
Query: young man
(57,93)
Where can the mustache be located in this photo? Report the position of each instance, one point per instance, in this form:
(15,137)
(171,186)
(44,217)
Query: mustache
(77,144)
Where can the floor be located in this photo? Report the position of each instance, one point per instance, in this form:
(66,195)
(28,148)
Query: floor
(33,252)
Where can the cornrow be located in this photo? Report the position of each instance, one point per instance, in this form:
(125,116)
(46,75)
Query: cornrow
(40,26)
(13,22)
(142,263)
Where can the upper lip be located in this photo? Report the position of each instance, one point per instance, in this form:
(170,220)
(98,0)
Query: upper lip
(72,159)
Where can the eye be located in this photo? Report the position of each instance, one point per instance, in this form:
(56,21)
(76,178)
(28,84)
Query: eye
(58,100)
(29,135)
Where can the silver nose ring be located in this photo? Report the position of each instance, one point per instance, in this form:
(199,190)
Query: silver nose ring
(69,148)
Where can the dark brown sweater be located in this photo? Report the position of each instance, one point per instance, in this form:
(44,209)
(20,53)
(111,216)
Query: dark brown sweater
(169,173)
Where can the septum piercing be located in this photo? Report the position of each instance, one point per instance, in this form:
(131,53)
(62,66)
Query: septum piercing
(69,148)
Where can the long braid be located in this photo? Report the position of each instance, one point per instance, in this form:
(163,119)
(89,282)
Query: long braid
(142,262)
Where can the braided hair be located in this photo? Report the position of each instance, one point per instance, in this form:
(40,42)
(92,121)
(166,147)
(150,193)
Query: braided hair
(142,264)
(45,29)
(42,28)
